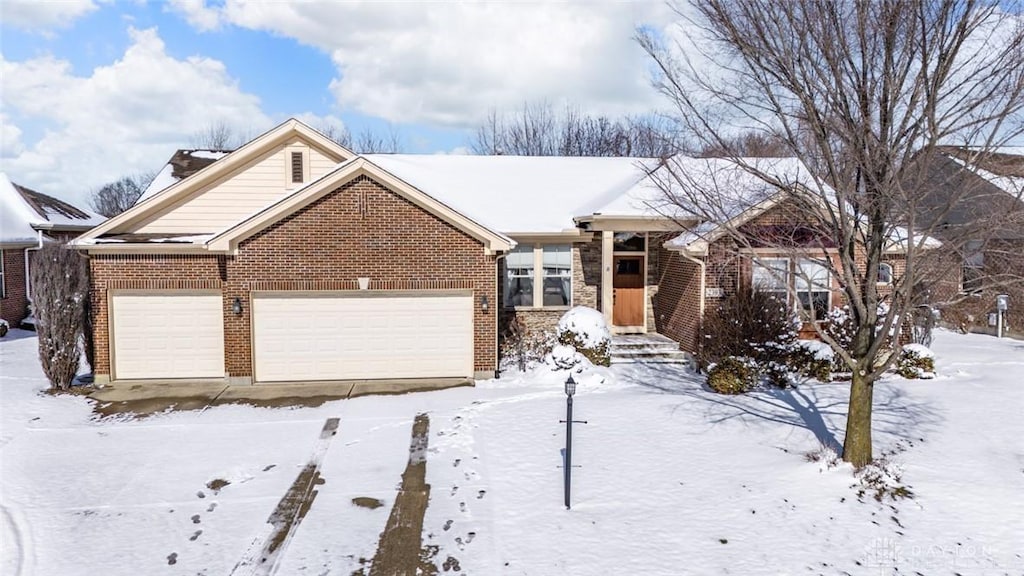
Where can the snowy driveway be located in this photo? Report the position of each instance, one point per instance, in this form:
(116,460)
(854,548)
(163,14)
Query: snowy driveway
(672,479)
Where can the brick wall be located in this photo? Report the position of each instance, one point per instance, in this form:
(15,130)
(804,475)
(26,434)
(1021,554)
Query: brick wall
(676,307)
(14,304)
(360,230)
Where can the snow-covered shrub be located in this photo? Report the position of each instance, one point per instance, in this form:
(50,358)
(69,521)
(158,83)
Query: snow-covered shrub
(4,327)
(521,347)
(752,323)
(586,331)
(565,357)
(60,285)
(812,359)
(733,375)
(916,361)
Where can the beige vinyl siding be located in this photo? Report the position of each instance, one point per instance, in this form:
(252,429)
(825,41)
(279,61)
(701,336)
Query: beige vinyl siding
(240,195)
(319,164)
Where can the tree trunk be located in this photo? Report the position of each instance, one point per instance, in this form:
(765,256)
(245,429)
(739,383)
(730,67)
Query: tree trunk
(857,444)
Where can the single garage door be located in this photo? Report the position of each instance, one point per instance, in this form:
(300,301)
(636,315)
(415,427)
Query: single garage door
(362,336)
(166,335)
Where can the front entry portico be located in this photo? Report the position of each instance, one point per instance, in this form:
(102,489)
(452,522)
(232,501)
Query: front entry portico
(624,281)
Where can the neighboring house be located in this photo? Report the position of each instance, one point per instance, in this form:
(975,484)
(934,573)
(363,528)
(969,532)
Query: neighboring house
(975,203)
(27,220)
(293,259)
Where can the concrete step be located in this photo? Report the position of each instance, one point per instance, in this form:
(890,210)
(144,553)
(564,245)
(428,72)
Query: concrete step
(650,360)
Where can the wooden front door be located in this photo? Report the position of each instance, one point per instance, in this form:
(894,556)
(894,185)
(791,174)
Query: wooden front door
(628,291)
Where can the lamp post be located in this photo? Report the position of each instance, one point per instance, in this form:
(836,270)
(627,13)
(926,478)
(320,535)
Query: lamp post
(570,390)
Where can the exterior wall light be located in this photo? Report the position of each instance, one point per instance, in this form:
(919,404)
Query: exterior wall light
(236,306)
(484,305)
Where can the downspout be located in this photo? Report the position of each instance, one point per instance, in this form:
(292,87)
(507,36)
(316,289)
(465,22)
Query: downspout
(38,246)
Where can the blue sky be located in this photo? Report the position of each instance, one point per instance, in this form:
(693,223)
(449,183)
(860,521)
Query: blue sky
(95,89)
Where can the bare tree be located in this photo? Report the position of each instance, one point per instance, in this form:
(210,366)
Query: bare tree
(538,130)
(219,135)
(860,92)
(366,142)
(60,286)
(115,197)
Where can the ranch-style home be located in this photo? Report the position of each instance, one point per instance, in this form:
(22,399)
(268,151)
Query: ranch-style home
(292,259)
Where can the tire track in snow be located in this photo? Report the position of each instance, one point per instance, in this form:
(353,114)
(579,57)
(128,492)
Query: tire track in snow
(21,543)
(267,548)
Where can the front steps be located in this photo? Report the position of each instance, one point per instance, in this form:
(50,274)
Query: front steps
(646,349)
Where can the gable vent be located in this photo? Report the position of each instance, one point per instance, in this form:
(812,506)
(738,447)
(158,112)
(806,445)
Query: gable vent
(296,167)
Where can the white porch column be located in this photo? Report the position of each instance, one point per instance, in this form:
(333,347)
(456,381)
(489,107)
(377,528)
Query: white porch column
(607,247)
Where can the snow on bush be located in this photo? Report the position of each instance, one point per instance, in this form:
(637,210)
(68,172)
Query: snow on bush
(4,327)
(817,349)
(565,357)
(586,331)
(733,375)
(916,361)
(812,359)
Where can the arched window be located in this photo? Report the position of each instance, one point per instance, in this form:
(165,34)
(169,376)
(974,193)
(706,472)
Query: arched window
(885,273)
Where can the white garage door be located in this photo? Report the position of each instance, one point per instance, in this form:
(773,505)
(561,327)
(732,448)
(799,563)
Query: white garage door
(364,336)
(167,336)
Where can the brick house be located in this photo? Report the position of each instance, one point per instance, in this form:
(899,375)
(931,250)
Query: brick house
(975,205)
(293,259)
(27,220)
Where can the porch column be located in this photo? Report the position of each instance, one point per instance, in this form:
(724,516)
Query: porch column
(607,247)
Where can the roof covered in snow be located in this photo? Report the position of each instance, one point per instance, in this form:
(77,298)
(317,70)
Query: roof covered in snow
(24,211)
(513,194)
(182,164)
(719,190)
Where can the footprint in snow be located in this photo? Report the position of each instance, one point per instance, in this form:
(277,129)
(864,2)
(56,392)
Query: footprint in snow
(447,525)
(456,463)
(462,506)
(172,558)
(211,507)
(480,494)
(195,535)
(195,518)
(454,490)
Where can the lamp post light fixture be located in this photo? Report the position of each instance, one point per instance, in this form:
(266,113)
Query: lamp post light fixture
(236,306)
(570,391)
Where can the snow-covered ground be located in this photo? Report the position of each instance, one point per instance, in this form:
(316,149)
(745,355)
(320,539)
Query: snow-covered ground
(672,479)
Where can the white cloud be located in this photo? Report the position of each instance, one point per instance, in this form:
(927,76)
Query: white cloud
(197,14)
(43,15)
(125,117)
(448,63)
(10,138)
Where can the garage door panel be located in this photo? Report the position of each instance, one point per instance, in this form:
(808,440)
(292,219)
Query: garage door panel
(357,337)
(158,336)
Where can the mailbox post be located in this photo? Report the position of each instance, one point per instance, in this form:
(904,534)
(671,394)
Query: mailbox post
(1002,305)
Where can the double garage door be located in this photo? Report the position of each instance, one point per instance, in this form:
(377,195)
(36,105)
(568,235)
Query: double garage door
(297,337)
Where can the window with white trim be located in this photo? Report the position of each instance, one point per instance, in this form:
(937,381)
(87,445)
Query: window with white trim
(557,261)
(813,288)
(519,276)
(538,276)
(771,275)
(808,278)
(885,273)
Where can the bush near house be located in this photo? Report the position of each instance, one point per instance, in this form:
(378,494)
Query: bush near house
(60,286)
(754,325)
(916,361)
(521,347)
(586,331)
(4,327)
(734,375)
